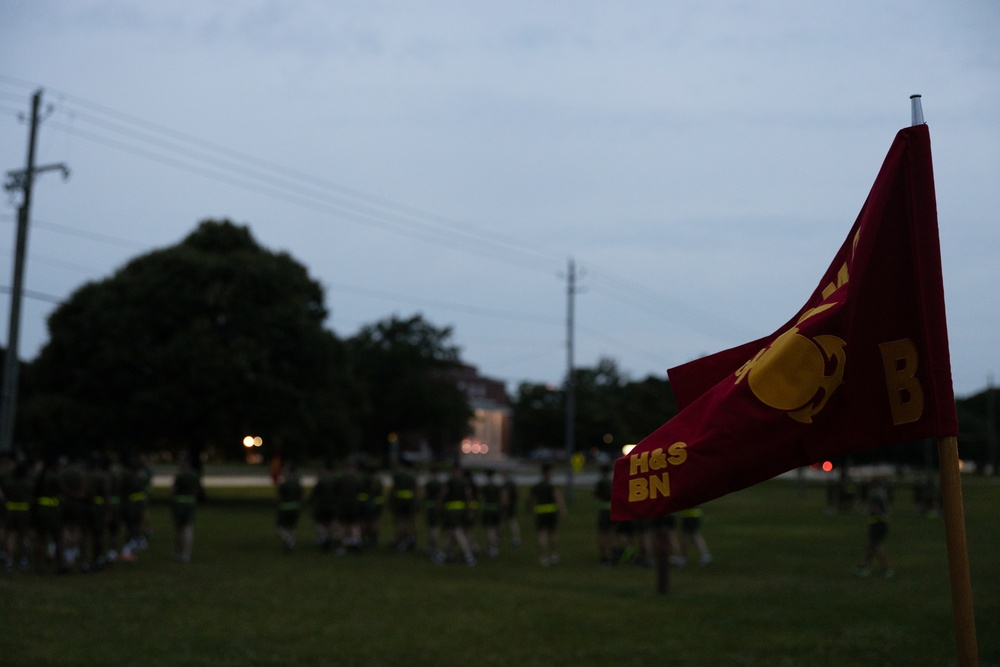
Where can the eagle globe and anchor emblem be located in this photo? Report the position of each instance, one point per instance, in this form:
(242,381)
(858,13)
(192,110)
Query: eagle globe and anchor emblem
(796,373)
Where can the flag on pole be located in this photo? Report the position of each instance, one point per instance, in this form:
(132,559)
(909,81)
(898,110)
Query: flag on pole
(864,363)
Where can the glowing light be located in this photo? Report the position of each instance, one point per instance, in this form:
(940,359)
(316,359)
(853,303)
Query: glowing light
(608,438)
(258,441)
(248,441)
(827,466)
(626,449)
(470,446)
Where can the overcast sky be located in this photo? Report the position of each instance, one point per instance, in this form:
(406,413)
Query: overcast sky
(700,162)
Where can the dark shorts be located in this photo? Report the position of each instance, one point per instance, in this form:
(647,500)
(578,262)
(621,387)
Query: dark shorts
(183,514)
(404,508)
(97,517)
(323,515)
(47,519)
(17,519)
(877,532)
(454,519)
(690,524)
(74,512)
(351,512)
(490,518)
(547,521)
(288,518)
(133,512)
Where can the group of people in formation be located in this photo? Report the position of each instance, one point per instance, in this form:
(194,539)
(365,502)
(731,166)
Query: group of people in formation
(621,542)
(61,515)
(459,511)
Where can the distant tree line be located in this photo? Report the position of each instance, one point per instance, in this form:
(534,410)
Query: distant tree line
(197,345)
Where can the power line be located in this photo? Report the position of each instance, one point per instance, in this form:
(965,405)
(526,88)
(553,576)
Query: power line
(344,202)
(471,310)
(32,294)
(189,153)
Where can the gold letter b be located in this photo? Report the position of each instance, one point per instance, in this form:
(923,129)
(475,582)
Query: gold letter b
(906,397)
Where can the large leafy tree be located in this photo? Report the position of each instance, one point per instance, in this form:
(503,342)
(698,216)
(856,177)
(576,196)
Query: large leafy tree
(402,365)
(194,346)
(539,418)
(611,411)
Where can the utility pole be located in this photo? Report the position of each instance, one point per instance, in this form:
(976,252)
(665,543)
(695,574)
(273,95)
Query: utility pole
(991,425)
(570,380)
(22,180)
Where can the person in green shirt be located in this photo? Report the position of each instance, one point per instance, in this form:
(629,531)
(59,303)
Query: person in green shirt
(184,500)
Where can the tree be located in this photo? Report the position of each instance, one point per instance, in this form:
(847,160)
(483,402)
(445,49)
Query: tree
(194,346)
(402,367)
(611,411)
(539,416)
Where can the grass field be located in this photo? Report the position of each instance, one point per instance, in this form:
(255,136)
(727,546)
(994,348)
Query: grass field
(780,592)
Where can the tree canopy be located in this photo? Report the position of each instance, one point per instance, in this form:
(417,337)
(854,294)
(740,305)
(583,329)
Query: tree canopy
(402,367)
(193,346)
(611,411)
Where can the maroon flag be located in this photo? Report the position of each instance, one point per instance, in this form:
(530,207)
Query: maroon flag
(863,364)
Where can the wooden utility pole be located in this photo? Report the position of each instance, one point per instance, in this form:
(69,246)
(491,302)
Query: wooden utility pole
(570,381)
(22,180)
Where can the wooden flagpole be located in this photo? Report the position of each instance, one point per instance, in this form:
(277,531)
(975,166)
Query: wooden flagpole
(954,521)
(958,555)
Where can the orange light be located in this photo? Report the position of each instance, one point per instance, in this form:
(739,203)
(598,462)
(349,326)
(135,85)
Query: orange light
(827,466)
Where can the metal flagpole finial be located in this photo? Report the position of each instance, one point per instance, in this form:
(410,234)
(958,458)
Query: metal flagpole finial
(916,111)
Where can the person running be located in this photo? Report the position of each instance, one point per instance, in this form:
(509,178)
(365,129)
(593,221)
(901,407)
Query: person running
(135,505)
(323,501)
(16,490)
(116,474)
(75,502)
(403,505)
(508,513)
(546,501)
(878,530)
(455,497)
(471,518)
(605,528)
(184,500)
(691,521)
(47,517)
(290,494)
(95,525)
(492,504)
(433,512)
(374,502)
(351,496)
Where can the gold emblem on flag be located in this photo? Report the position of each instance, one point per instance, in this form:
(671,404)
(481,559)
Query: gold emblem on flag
(796,373)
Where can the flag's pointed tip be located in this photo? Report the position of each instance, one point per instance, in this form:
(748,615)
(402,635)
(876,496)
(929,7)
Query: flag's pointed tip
(916,110)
